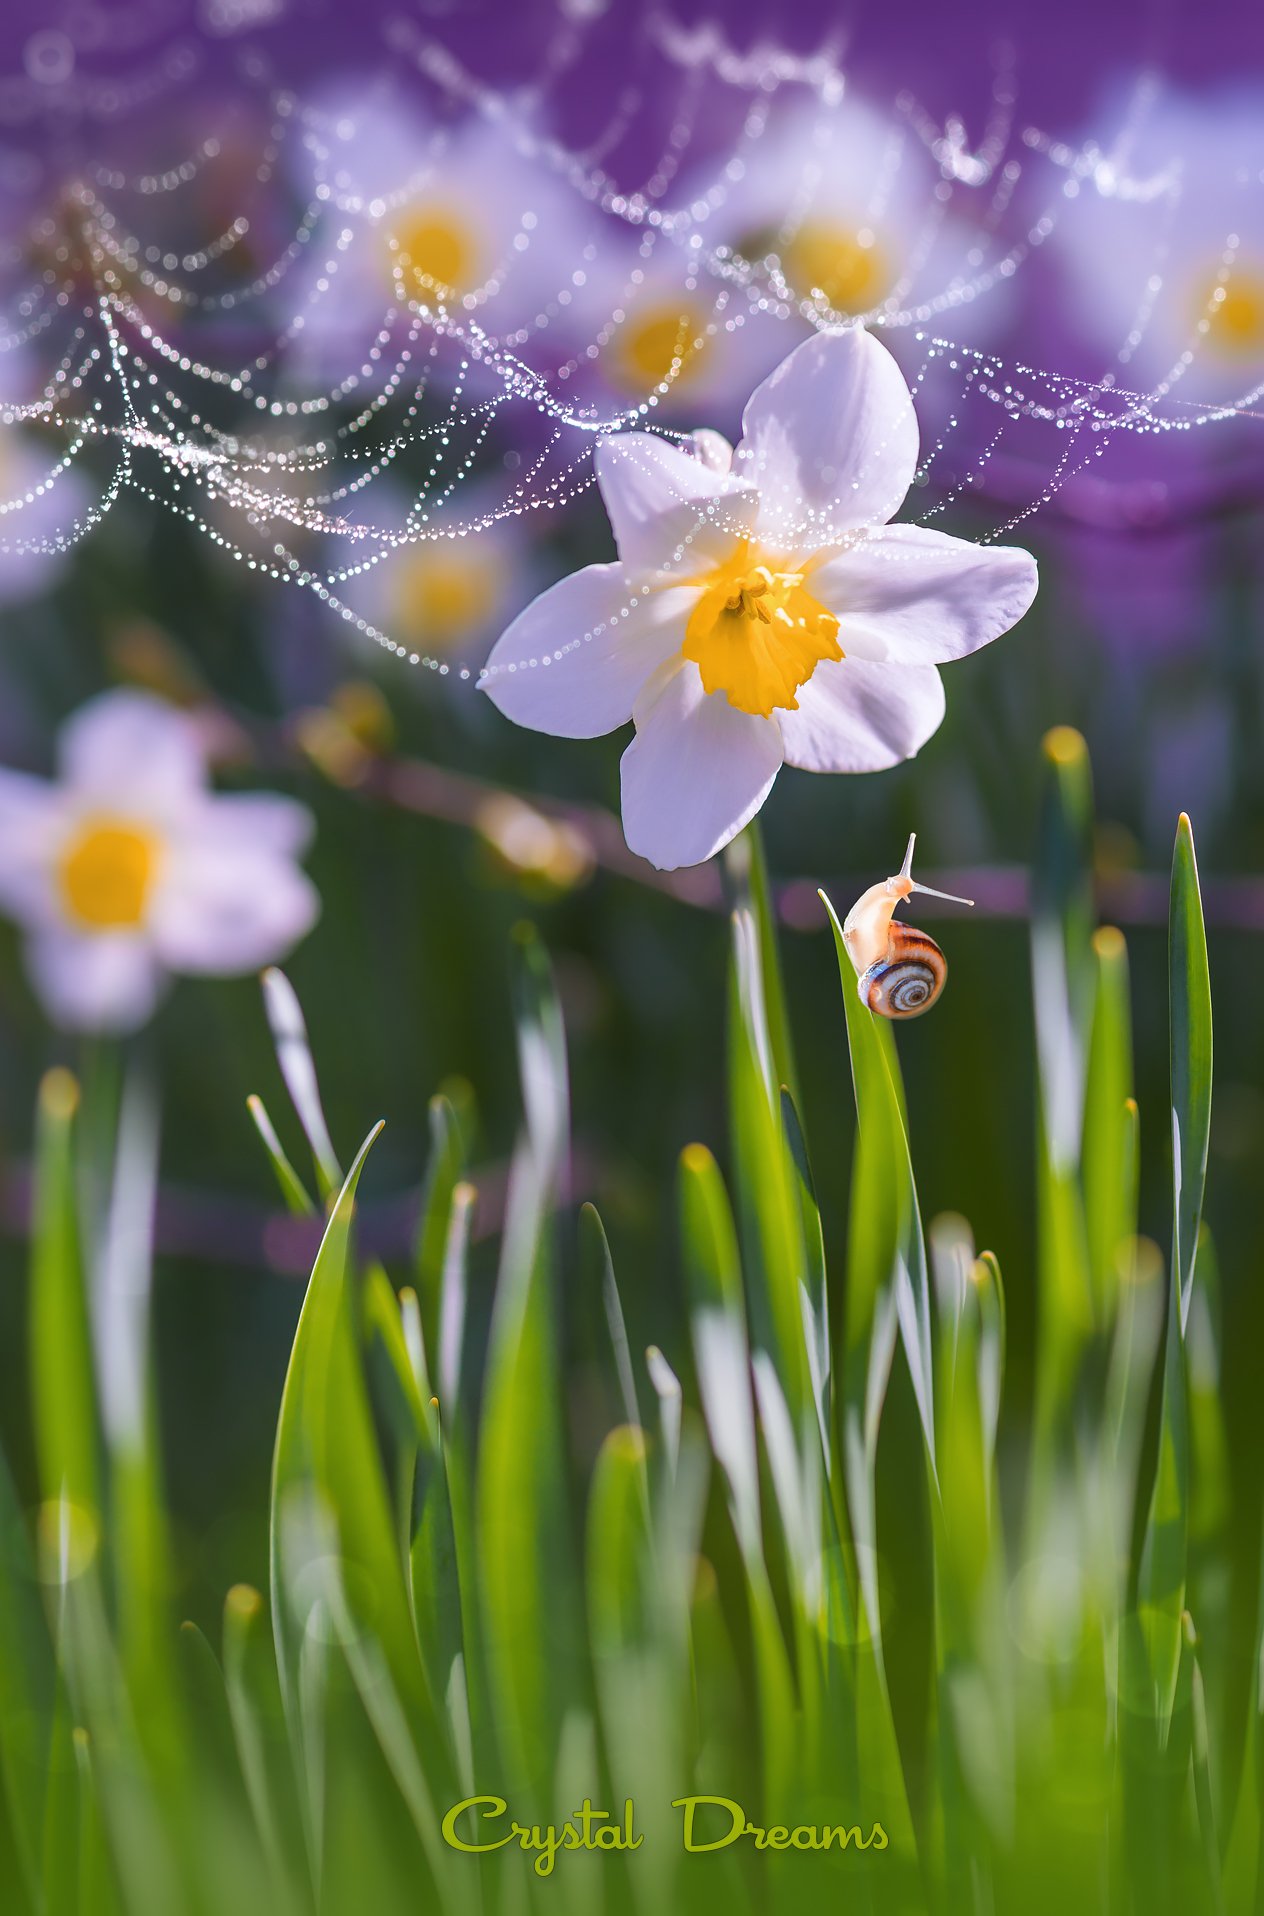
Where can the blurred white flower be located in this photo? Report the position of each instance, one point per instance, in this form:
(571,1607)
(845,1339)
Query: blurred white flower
(761,610)
(434,214)
(651,319)
(836,208)
(449,588)
(1164,242)
(844,201)
(127,867)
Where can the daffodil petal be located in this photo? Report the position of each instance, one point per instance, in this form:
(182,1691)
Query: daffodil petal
(94,981)
(250,823)
(696,772)
(31,823)
(670,510)
(574,662)
(918,597)
(862,716)
(222,909)
(830,439)
(128,748)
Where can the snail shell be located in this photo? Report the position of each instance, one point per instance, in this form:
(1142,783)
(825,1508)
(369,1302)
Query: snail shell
(908,978)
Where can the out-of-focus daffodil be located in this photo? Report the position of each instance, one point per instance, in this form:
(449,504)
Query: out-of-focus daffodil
(127,867)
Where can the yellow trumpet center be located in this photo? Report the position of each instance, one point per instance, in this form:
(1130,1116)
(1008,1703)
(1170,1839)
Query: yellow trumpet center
(848,267)
(660,341)
(436,253)
(105,874)
(1235,314)
(444,592)
(757,634)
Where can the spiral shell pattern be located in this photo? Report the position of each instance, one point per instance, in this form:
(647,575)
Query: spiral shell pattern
(907,981)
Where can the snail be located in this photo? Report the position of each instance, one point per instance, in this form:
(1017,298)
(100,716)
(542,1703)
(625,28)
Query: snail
(900,970)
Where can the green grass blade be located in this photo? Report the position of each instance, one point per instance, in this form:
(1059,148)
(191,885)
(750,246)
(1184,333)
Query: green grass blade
(1211,1500)
(722,1361)
(713,1280)
(1163,1568)
(597,1275)
(1109,1155)
(746,869)
(425,1505)
(1063,973)
(667,1390)
(1200,1764)
(814,1284)
(524,1542)
(63,1388)
(327,1471)
(890,1222)
(1189,987)
(523,1532)
(541,1055)
(443,1174)
(254,1707)
(454,1292)
(290,1184)
(28,1686)
(765,1180)
(294,1055)
(141,1545)
(1165,1549)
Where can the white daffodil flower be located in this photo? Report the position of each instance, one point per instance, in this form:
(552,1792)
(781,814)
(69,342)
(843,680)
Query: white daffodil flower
(762,611)
(127,867)
(449,589)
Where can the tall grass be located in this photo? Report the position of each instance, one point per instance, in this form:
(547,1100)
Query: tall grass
(460,1608)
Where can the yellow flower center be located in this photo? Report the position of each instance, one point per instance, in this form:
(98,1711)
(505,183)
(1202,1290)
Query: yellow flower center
(437,252)
(445,592)
(1235,314)
(757,634)
(849,268)
(661,341)
(106,872)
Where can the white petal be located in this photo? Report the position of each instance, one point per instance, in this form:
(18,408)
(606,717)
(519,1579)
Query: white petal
(830,439)
(696,772)
(919,597)
(30,829)
(220,907)
(669,510)
(249,822)
(129,750)
(712,448)
(94,981)
(859,716)
(595,639)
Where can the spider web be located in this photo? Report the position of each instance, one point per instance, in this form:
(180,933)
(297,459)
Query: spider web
(169,355)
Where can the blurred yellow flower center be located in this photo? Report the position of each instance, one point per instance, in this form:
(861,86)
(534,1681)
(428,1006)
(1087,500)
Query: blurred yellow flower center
(662,341)
(847,267)
(106,872)
(437,251)
(757,634)
(445,592)
(1236,314)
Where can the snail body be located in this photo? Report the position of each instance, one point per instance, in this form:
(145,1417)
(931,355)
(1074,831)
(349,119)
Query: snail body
(900,971)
